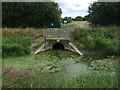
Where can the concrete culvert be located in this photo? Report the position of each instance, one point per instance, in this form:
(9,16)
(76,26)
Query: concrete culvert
(58,46)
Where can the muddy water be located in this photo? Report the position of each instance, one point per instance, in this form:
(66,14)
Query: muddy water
(72,68)
(65,62)
(77,69)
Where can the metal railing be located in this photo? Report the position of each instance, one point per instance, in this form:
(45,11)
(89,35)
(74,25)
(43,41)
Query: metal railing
(56,33)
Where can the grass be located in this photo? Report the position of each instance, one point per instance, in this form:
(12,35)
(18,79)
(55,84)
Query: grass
(103,40)
(17,41)
(80,24)
(23,70)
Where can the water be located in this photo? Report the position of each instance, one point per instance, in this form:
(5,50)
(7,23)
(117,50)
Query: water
(62,61)
(74,69)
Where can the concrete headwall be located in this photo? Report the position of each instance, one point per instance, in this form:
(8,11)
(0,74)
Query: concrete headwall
(49,43)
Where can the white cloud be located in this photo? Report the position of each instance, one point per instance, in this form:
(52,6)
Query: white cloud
(74,8)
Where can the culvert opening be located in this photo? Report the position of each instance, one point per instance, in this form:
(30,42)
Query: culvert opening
(58,46)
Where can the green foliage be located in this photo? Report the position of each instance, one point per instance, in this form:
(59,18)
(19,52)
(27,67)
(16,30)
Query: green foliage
(78,18)
(29,14)
(16,46)
(17,42)
(104,40)
(104,13)
(85,18)
(101,43)
(13,50)
(102,75)
(112,48)
(25,79)
(108,64)
(68,19)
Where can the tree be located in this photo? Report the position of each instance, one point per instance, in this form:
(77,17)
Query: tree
(104,13)
(29,14)
(85,18)
(78,18)
(68,19)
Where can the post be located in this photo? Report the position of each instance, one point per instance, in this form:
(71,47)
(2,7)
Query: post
(58,34)
(45,42)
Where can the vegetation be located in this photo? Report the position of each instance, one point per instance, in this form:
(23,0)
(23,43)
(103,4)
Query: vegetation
(104,13)
(78,18)
(68,19)
(24,79)
(39,71)
(59,68)
(102,40)
(17,41)
(44,71)
(29,14)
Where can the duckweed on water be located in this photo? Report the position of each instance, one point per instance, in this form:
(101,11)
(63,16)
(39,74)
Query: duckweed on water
(49,60)
(104,65)
(53,60)
(44,64)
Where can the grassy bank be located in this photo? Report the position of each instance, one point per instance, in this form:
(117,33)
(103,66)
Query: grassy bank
(17,41)
(97,40)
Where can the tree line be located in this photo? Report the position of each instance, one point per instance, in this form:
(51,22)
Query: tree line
(29,14)
(104,13)
(100,14)
(77,18)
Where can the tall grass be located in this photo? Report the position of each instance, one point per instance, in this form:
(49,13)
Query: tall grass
(17,41)
(103,40)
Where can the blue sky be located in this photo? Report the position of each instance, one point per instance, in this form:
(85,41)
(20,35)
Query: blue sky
(74,8)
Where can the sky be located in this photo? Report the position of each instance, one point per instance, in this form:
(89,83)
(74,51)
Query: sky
(73,8)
